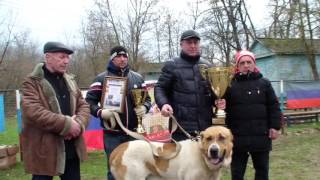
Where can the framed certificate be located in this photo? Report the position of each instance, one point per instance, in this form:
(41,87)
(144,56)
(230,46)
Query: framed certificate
(114,93)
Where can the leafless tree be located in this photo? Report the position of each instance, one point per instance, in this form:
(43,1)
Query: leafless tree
(7,26)
(172,28)
(196,12)
(130,26)
(98,38)
(22,54)
(228,25)
(306,28)
(158,34)
(297,19)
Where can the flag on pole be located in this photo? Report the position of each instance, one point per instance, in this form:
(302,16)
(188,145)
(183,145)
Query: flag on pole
(93,135)
(303,94)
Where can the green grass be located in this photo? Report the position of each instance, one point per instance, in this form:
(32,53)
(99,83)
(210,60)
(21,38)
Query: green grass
(94,168)
(295,156)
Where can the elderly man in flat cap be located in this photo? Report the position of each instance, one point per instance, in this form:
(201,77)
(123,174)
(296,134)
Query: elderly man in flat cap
(183,92)
(54,116)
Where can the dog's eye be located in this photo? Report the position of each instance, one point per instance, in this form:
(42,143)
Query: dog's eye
(209,138)
(221,137)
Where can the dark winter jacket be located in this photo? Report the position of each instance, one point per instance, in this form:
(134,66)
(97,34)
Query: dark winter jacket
(182,86)
(95,92)
(252,109)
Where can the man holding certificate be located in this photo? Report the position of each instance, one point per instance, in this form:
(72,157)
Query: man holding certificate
(110,93)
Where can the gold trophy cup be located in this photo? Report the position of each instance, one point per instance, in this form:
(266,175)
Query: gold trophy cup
(219,79)
(139,97)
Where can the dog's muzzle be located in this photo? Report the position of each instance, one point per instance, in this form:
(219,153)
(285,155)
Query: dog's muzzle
(214,156)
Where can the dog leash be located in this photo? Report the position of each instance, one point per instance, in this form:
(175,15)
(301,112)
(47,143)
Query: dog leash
(193,138)
(156,151)
(135,135)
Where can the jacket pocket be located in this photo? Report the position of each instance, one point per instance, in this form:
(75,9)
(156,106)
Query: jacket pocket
(44,147)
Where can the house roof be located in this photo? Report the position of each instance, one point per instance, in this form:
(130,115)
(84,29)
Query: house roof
(288,46)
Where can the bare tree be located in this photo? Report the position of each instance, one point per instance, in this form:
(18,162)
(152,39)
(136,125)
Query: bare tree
(172,28)
(169,26)
(21,56)
(157,31)
(7,25)
(297,19)
(306,27)
(98,38)
(196,12)
(130,29)
(228,25)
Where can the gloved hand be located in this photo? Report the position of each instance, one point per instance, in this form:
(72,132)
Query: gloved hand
(108,118)
(140,111)
(106,114)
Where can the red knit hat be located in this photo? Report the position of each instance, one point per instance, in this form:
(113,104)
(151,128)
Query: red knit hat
(242,53)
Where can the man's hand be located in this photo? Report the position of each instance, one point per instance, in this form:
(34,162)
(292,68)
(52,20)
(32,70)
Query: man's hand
(220,103)
(140,111)
(75,129)
(273,134)
(107,116)
(166,110)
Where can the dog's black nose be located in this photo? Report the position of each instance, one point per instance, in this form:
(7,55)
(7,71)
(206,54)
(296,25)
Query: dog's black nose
(214,152)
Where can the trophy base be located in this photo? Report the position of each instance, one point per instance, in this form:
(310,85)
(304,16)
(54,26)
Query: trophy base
(219,121)
(140,129)
(221,114)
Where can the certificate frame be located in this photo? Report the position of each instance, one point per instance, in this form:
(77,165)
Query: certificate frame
(114,93)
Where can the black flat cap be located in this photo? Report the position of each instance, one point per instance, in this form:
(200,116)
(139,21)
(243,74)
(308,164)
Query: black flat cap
(190,34)
(56,47)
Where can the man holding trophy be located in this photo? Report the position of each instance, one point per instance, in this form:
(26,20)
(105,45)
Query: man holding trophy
(113,89)
(182,91)
(253,116)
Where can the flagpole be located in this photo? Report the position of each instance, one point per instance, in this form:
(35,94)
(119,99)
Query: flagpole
(18,100)
(2,114)
(281,96)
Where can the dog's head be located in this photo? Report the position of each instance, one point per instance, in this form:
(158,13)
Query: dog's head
(216,146)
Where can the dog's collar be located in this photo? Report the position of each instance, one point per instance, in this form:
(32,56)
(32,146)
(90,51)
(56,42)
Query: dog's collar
(195,138)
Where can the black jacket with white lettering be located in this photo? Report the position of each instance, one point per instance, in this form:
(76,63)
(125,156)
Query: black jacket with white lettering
(252,109)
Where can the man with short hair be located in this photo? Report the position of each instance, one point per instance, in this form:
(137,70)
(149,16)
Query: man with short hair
(183,92)
(54,117)
(117,67)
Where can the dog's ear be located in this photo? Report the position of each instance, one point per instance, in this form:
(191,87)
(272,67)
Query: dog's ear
(201,135)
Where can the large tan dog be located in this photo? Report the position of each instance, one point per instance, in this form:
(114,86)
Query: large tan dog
(197,160)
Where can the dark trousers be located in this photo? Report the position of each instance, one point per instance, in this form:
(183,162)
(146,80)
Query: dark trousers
(72,171)
(111,141)
(260,162)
